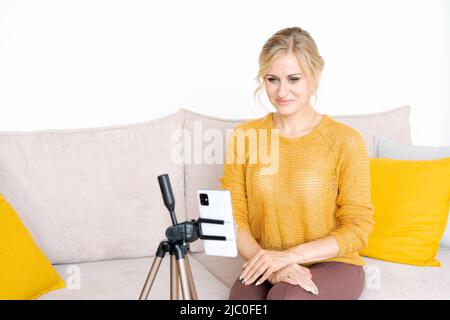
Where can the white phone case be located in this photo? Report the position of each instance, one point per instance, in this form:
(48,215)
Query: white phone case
(220,208)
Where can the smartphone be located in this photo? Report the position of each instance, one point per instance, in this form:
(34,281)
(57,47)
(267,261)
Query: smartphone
(216,204)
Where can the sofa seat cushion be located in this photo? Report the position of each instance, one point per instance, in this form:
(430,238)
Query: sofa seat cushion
(407,282)
(124,279)
(384,280)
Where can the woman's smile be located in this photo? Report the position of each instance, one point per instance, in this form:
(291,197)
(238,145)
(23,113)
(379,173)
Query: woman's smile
(282,102)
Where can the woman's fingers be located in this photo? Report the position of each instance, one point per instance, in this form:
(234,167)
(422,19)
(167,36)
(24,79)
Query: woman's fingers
(273,278)
(311,286)
(257,269)
(304,281)
(302,269)
(249,265)
(296,275)
(291,281)
(261,270)
(308,280)
(265,276)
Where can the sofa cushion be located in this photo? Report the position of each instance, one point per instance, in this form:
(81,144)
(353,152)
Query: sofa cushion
(411,199)
(386,148)
(25,272)
(203,171)
(393,124)
(93,194)
(124,279)
(384,280)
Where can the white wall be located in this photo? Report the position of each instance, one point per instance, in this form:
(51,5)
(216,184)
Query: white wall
(71,64)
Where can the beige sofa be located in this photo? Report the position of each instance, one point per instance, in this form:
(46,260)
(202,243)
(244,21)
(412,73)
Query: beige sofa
(91,199)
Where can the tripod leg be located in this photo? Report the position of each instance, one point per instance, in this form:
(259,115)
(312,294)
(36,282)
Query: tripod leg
(180,252)
(190,278)
(150,278)
(184,280)
(163,247)
(174,278)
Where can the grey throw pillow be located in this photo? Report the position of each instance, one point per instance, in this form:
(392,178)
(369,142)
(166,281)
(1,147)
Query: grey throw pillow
(385,148)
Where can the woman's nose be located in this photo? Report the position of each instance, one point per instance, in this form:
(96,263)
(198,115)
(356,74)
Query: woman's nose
(282,90)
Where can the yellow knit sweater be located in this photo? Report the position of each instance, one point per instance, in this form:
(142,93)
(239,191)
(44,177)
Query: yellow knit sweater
(320,187)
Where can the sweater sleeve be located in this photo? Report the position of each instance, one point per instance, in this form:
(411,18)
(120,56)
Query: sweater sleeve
(354,212)
(234,180)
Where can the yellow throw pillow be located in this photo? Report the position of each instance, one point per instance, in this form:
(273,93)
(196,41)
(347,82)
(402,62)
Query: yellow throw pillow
(411,200)
(25,272)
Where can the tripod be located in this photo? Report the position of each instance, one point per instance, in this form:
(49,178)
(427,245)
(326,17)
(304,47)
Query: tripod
(177,245)
(180,269)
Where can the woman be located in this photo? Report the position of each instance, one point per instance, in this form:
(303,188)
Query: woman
(299,228)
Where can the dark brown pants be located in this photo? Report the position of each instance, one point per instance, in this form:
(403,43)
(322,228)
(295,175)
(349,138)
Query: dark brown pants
(335,281)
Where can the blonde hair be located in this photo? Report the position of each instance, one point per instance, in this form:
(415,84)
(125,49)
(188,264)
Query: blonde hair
(298,42)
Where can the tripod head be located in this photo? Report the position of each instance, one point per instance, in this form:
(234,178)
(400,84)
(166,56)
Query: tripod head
(188,231)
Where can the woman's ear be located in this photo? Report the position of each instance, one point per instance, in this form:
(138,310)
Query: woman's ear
(314,91)
(319,75)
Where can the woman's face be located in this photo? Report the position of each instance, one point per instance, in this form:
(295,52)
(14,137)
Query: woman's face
(286,86)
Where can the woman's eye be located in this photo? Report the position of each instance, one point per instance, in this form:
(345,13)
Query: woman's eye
(273,80)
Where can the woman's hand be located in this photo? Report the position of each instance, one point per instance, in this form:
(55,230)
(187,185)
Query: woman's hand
(296,275)
(263,264)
